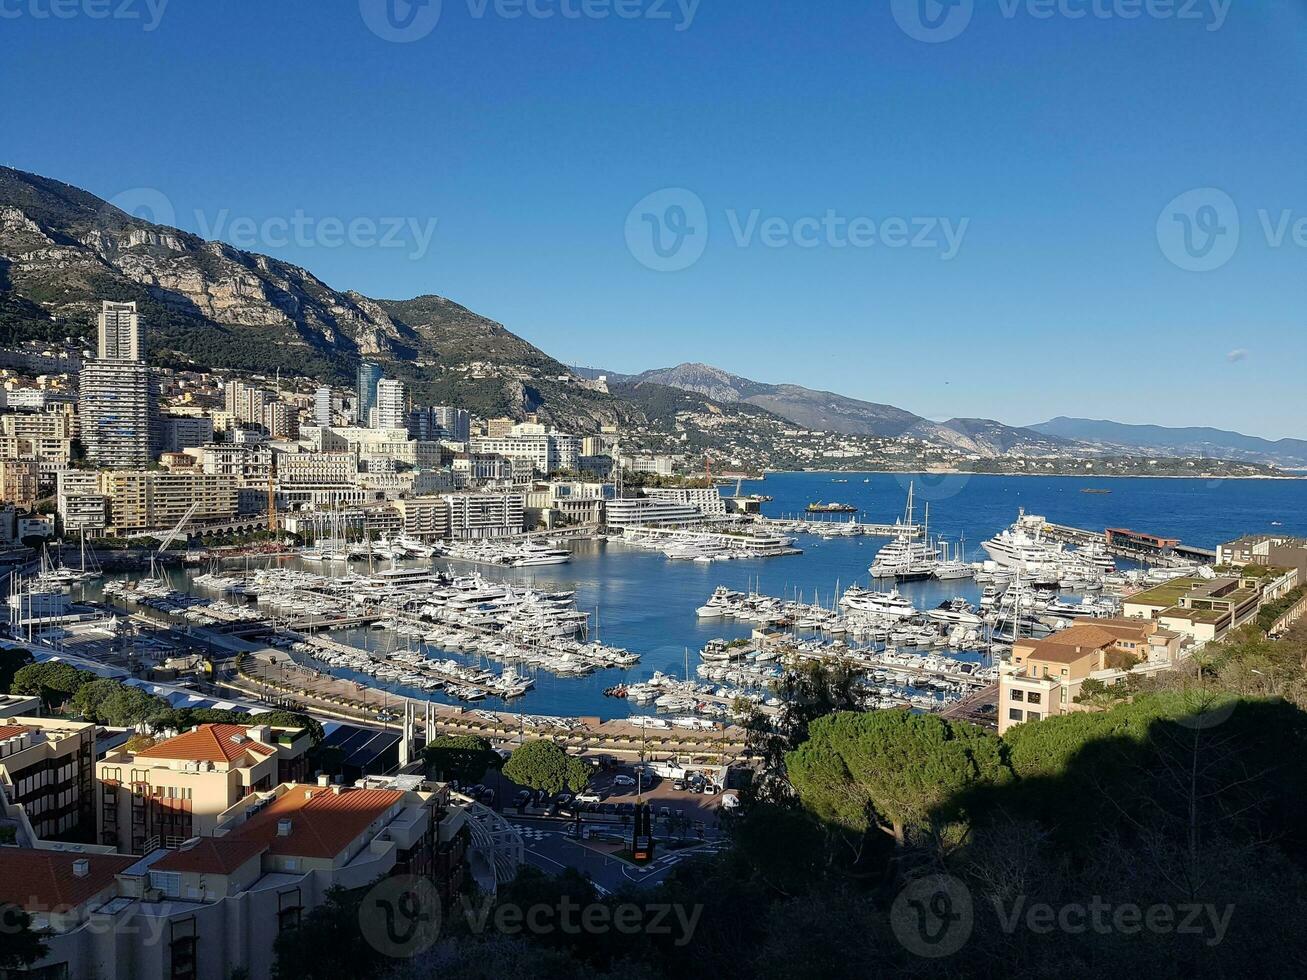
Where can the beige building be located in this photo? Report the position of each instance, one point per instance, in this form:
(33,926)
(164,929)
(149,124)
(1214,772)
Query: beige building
(1206,609)
(213,908)
(20,481)
(146,500)
(177,789)
(47,770)
(1044,677)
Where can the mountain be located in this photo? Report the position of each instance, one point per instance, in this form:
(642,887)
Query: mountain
(1194,441)
(827,411)
(63,250)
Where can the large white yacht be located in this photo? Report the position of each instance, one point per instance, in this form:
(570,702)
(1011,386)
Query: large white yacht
(1023,544)
(890,604)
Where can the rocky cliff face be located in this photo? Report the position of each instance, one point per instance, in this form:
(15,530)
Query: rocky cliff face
(63,251)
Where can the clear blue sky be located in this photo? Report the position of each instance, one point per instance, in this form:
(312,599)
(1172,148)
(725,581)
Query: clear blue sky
(1060,141)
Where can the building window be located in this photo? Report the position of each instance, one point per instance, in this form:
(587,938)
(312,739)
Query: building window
(170,883)
(1017,694)
(1034,697)
(1014,714)
(182,946)
(1032,716)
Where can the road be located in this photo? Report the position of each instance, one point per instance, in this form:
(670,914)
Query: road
(550,849)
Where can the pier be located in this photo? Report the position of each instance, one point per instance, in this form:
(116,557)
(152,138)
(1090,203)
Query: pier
(1124,543)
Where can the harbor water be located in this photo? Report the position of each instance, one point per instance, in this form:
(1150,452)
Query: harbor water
(644,602)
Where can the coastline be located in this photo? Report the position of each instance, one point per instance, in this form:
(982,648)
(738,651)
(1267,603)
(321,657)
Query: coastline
(1066,476)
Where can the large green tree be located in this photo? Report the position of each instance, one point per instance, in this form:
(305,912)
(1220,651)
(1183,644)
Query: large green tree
(465,758)
(53,681)
(111,702)
(893,771)
(545,765)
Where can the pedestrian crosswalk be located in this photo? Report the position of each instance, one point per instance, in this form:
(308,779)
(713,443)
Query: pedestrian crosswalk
(531,833)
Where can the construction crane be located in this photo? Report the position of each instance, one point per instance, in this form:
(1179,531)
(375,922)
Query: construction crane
(171,536)
(272,495)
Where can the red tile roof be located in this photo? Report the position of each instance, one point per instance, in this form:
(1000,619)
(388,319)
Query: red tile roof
(9,731)
(40,881)
(323,822)
(211,855)
(208,743)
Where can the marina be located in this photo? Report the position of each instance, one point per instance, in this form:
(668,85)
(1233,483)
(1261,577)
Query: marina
(632,598)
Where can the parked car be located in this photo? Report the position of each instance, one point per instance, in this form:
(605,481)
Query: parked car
(623,780)
(678,784)
(626,809)
(563,799)
(522,798)
(665,812)
(588,797)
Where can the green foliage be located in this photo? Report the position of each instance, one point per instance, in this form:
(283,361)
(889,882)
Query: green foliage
(11,662)
(54,681)
(891,770)
(464,758)
(20,947)
(1270,613)
(545,765)
(111,702)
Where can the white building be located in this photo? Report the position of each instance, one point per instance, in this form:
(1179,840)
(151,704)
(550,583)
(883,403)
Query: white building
(391,410)
(322,407)
(485,515)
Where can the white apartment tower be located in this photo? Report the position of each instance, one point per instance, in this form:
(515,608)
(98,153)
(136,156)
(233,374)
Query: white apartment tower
(118,397)
(391,410)
(120,335)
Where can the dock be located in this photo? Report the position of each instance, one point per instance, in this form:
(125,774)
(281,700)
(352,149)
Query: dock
(1135,545)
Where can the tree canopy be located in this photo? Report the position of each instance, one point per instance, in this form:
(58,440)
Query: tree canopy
(542,764)
(464,758)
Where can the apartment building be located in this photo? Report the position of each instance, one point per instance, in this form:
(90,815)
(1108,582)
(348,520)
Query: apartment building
(246,402)
(1267,550)
(437,422)
(653,465)
(549,452)
(47,770)
(118,401)
(1044,676)
(1204,609)
(322,407)
(391,409)
(281,421)
(485,515)
(424,517)
(369,375)
(213,907)
(20,481)
(183,431)
(163,794)
(146,500)
(81,504)
(119,336)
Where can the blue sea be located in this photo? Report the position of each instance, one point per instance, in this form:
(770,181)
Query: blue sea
(646,603)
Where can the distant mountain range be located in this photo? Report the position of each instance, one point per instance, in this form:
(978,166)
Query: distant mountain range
(830,412)
(825,410)
(1214,443)
(209,304)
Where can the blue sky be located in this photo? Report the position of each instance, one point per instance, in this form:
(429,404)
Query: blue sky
(1051,146)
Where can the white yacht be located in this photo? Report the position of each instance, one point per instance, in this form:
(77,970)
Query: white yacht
(1023,544)
(534,553)
(891,604)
